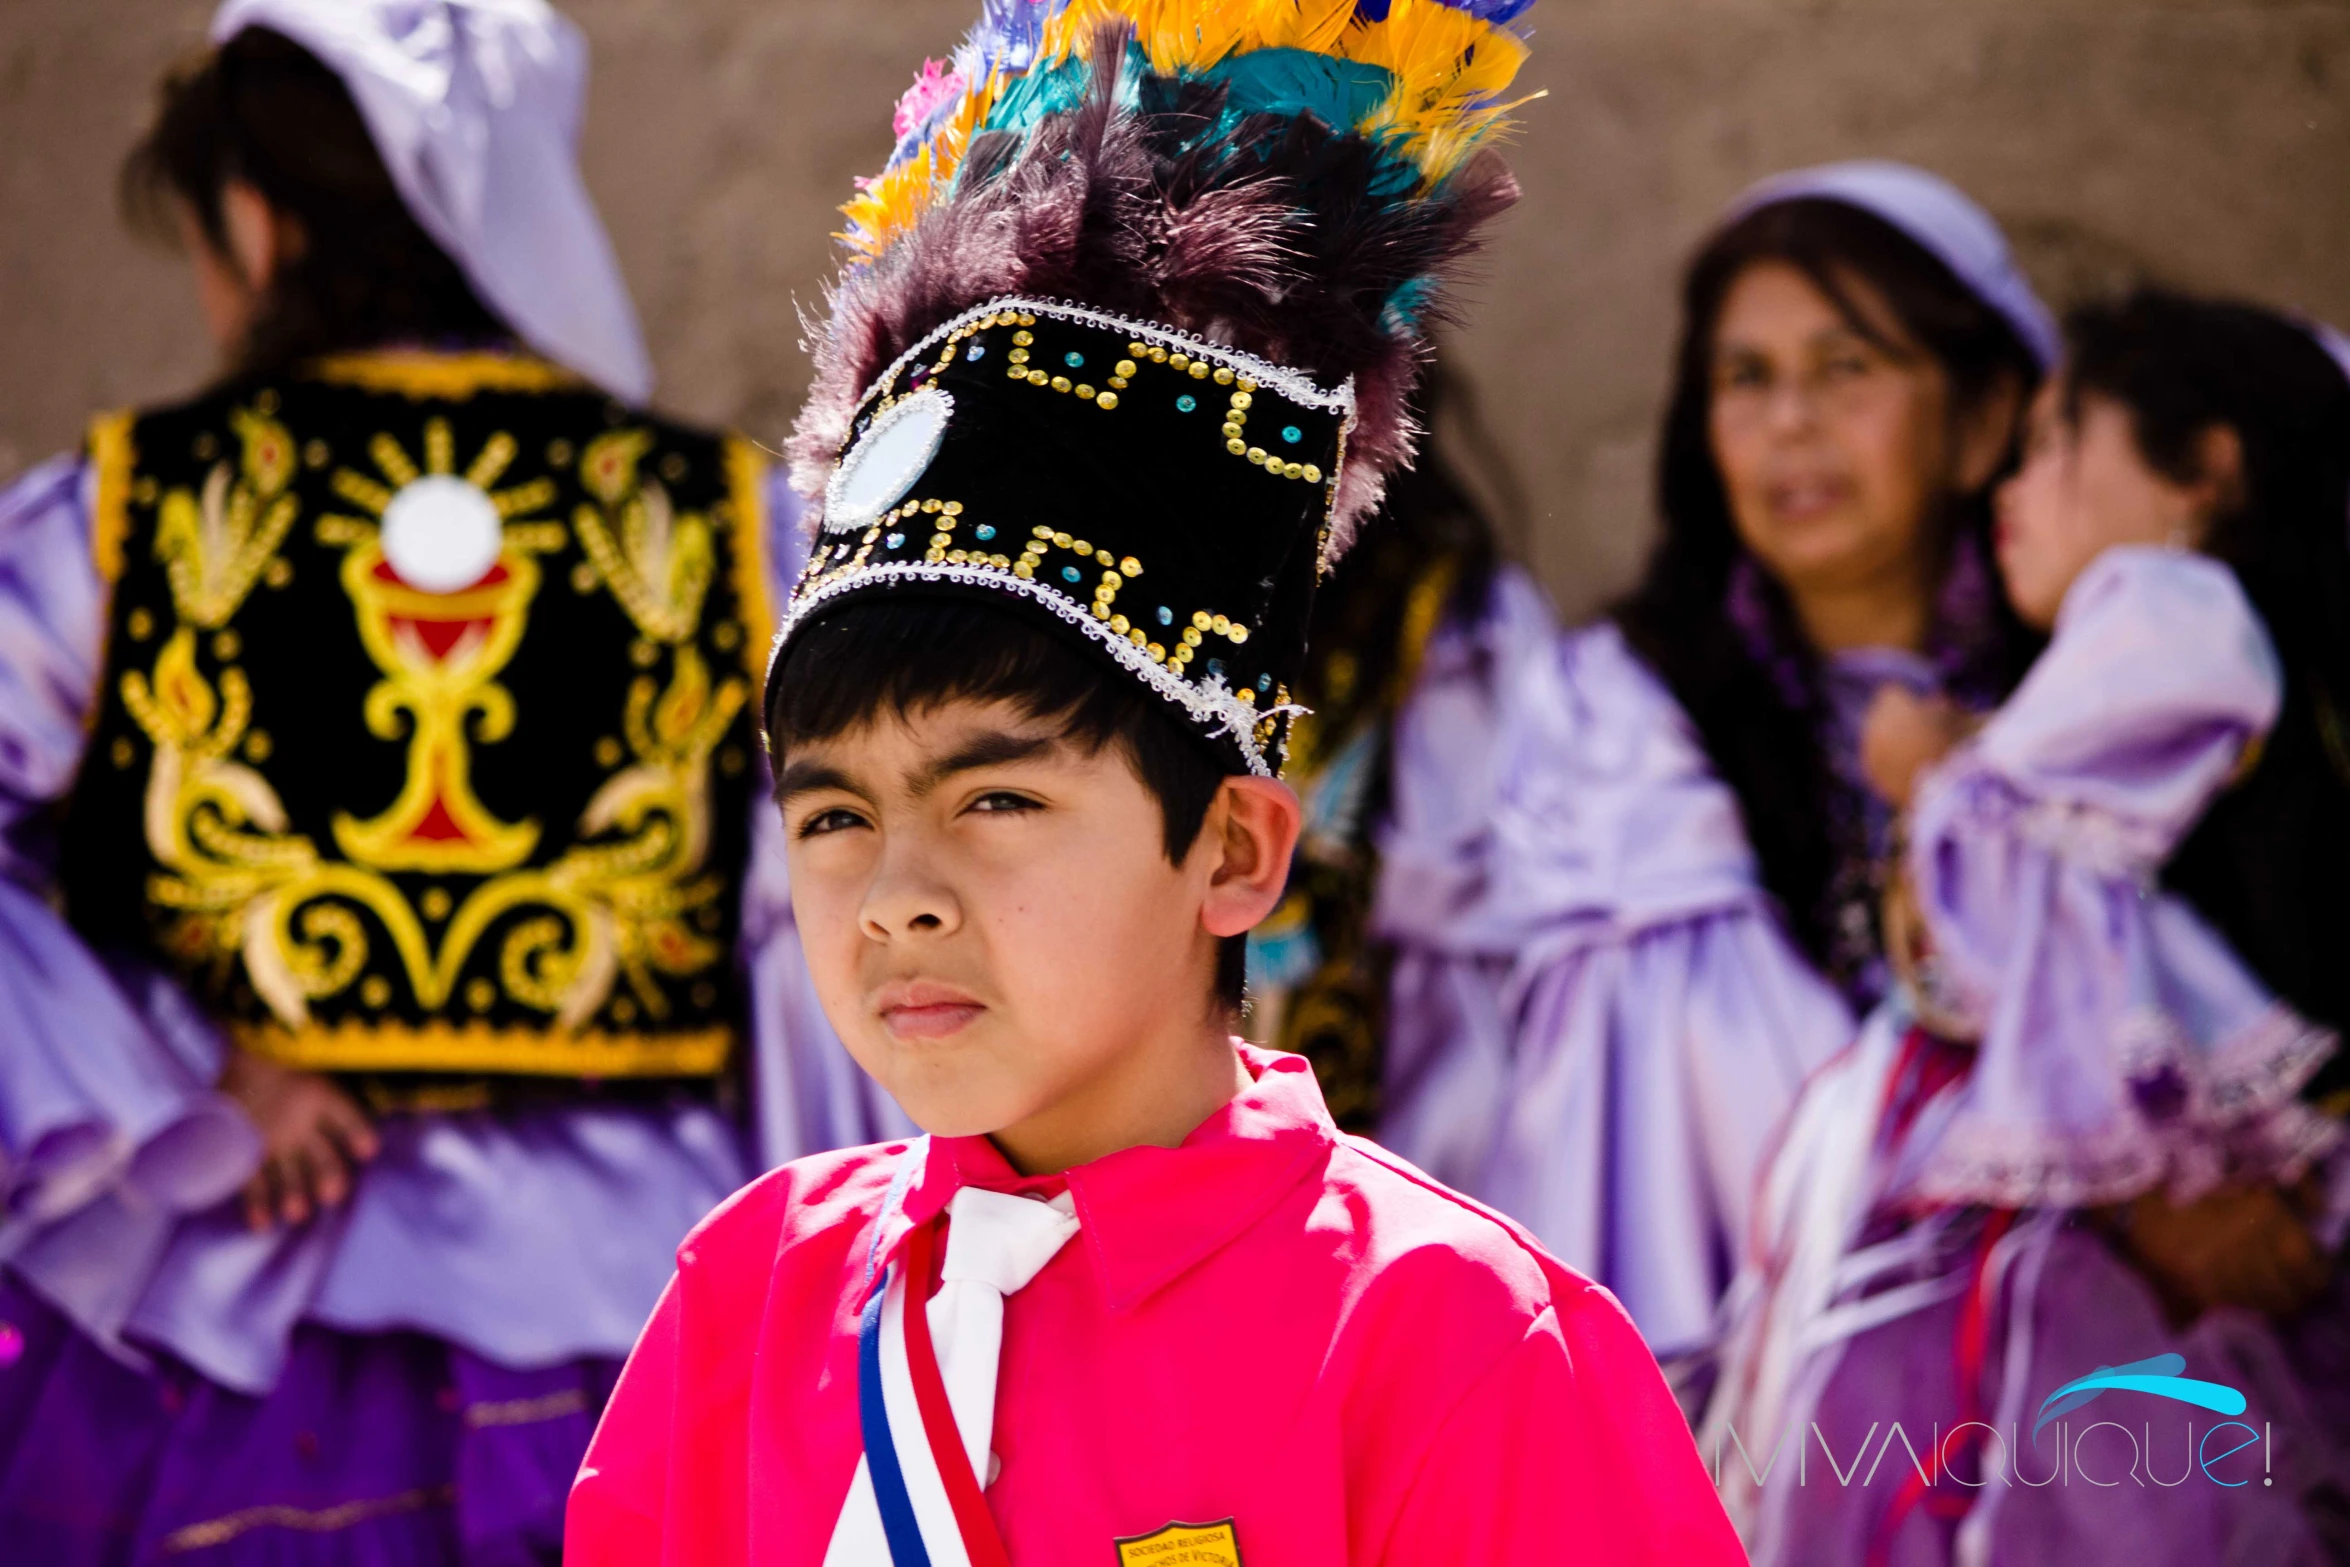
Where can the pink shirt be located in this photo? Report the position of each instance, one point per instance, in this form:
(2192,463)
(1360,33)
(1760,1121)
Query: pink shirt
(1274,1323)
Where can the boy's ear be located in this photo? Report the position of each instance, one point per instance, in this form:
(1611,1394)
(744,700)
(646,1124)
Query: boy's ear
(1249,834)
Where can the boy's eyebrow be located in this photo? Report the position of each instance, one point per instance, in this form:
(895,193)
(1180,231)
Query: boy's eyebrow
(988,750)
(807,777)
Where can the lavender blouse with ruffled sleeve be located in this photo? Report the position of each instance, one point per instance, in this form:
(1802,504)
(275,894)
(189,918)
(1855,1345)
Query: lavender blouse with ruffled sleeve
(2122,1044)
(1598,1018)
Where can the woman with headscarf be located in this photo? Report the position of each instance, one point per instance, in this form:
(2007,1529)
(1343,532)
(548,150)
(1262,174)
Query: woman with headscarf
(1671,918)
(2085,1145)
(385,965)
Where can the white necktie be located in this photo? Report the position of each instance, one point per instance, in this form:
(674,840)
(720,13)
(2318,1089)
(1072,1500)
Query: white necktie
(995,1245)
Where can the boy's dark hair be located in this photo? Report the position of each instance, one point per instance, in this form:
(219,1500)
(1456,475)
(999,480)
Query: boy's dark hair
(1771,752)
(901,655)
(264,110)
(2269,864)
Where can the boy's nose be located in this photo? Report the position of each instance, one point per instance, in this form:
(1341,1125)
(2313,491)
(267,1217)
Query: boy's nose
(903,901)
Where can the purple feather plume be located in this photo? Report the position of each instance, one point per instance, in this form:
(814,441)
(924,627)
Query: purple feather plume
(1279,236)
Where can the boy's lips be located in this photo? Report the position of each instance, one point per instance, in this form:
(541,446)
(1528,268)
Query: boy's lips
(921,1009)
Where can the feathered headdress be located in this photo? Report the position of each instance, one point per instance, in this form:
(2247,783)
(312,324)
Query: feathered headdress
(1227,225)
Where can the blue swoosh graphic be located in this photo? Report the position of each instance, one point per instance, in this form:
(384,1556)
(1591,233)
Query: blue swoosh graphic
(2159,1376)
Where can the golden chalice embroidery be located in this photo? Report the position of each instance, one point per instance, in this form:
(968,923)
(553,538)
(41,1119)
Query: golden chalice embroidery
(440,652)
(627,905)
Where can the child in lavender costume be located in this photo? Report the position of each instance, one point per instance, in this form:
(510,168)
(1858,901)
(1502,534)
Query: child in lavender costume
(1607,1002)
(2091,1128)
(395,1346)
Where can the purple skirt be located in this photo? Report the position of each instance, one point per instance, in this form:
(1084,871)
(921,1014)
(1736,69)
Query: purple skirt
(377,1448)
(2129,1480)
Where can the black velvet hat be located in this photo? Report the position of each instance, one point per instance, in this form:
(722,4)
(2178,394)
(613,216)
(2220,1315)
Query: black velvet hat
(1130,323)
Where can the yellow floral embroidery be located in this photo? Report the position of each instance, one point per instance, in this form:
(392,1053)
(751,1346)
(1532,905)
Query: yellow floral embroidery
(657,561)
(214,547)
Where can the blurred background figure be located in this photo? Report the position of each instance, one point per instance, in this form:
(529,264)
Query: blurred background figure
(1682,891)
(376,718)
(1416,634)
(2098,1123)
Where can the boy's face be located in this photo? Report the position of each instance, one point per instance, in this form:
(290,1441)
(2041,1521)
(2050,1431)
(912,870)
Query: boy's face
(988,910)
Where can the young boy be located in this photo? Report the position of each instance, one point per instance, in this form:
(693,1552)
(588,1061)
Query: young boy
(1133,1299)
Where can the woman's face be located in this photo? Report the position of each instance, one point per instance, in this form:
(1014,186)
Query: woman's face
(1832,450)
(2085,487)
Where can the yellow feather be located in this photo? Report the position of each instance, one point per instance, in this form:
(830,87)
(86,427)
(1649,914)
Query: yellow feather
(1450,70)
(895,200)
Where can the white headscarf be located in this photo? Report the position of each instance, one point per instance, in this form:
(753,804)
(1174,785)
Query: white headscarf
(1940,217)
(474,106)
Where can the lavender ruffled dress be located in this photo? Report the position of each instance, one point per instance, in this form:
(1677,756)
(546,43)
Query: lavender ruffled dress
(1922,1254)
(1599,1018)
(411,1377)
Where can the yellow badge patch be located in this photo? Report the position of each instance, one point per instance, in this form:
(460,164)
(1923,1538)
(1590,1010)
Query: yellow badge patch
(1183,1545)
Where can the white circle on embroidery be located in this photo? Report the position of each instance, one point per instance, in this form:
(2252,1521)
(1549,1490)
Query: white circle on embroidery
(893,452)
(441,533)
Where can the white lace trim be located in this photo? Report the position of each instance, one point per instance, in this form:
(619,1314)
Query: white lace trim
(1292,384)
(2238,1118)
(2093,836)
(1210,701)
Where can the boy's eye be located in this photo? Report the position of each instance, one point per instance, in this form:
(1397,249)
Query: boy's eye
(835,819)
(1001,800)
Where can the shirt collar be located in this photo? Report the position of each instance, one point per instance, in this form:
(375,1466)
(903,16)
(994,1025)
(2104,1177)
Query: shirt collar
(1149,1215)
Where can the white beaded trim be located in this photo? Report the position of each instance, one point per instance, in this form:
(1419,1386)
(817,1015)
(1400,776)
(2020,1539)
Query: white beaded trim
(1290,383)
(1210,701)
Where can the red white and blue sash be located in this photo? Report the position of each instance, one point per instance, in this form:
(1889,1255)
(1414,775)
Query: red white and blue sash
(926,1411)
(931,1509)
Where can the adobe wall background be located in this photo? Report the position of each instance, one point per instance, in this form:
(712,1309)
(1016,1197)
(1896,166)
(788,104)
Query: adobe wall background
(2202,142)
